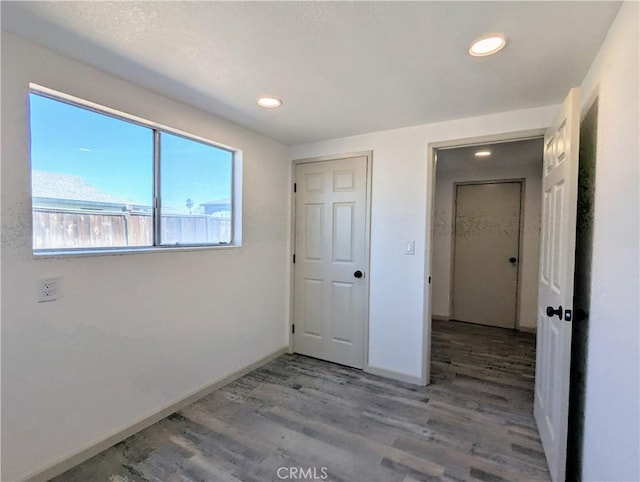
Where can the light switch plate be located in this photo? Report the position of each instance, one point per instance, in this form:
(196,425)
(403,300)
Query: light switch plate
(410,247)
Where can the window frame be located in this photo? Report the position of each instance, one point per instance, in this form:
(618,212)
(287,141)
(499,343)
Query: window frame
(157,129)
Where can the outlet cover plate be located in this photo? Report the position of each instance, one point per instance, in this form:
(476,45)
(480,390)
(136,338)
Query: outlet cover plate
(48,289)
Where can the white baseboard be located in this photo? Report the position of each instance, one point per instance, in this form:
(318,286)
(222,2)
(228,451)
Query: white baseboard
(86,453)
(441,317)
(403,377)
(527,329)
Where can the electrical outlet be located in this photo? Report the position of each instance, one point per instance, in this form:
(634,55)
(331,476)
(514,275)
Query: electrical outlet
(48,289)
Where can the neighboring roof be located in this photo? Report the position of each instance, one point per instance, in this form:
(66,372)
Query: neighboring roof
(56,185)
(217,202)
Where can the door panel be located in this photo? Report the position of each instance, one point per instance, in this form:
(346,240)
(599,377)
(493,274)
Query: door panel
(553,349)
(313,308)
(343,232)
(487,235)
(341,311)
(314,231)
(331,244)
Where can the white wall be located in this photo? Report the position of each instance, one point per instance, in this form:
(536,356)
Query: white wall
(529,257)
(131,333)
(397,306)
(611,439)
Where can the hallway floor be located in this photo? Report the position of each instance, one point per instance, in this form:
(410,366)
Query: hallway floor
(302,416)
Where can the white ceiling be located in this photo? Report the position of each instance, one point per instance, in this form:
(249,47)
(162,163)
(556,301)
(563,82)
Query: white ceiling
(524,153)
(342,68)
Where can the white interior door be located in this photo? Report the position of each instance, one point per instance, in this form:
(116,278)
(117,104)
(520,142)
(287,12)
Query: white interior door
(486,253)
(331,260)
(553,349)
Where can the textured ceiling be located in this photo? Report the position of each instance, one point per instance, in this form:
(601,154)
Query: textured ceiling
(525,153)
(342,68)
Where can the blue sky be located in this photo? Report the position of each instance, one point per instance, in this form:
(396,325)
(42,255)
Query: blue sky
(117,156)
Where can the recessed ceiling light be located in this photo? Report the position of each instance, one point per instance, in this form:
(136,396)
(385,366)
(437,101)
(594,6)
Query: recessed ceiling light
(482,153)
(269,102)
(487,45)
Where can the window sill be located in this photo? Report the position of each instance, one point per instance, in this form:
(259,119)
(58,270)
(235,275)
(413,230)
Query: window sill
(82,253)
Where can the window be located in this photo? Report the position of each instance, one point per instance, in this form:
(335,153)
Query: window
(195,183)
(100,181)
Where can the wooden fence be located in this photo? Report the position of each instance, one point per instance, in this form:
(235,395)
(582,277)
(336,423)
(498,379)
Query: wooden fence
(58,229)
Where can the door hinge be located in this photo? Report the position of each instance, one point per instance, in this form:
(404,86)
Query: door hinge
(429,279)
(295,187)
(294,259)
(293,328)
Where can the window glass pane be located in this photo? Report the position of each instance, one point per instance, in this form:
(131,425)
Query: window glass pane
(92,178)
(196,181)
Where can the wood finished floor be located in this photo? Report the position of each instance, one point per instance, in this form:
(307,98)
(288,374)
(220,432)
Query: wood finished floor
(474,422)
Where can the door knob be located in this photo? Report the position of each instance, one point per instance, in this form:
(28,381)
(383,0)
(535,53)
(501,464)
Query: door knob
(358,274)
(551,312)
(513,260)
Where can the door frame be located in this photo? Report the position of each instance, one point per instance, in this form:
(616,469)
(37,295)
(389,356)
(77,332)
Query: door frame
(432,158)
(523,183)
(367,234)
